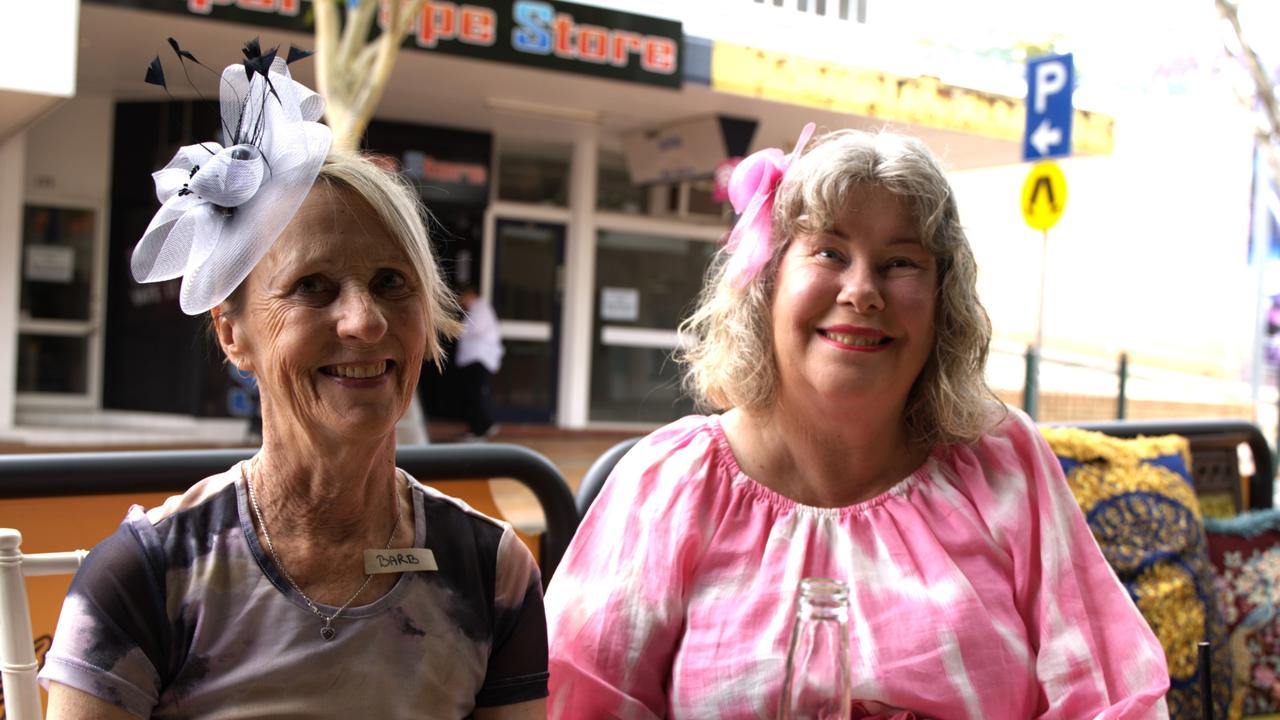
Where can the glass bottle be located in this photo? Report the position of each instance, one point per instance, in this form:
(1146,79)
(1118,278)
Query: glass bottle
(817,684)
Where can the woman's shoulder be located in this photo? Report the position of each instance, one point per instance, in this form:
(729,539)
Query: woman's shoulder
(1010,431)
(694,445)
(198,495)
(1012,444)
(447,516)
(686,463)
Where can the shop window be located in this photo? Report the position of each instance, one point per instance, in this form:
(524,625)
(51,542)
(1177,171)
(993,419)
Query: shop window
(637,384)
(520,389)
(700,199)
(57,263)
(55,364)
(534,172)
(57,328)
(616,193)
(645,286)
(687,200)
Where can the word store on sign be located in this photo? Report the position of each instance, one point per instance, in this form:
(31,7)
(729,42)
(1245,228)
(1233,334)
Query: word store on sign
(540,30)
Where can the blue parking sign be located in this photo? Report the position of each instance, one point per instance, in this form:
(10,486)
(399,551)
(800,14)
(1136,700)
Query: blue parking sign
(1050,80)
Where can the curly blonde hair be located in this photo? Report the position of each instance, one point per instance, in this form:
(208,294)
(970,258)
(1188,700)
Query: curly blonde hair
(728,352)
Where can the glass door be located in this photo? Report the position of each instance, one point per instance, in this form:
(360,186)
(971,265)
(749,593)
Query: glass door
(58,321)
(528,265)
(645,285)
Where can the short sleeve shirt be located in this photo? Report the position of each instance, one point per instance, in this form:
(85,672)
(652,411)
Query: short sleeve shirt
(180,614)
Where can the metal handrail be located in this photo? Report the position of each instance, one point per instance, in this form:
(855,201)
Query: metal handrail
(112,473)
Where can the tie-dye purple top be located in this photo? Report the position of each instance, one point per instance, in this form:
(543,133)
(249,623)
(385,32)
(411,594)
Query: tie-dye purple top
(180,614)
(977,590)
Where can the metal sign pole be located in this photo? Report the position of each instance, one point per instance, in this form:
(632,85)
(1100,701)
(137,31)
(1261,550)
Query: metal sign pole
(1031,394)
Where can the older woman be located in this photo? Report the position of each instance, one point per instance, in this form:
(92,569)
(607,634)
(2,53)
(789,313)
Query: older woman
(842,338)
(259,591)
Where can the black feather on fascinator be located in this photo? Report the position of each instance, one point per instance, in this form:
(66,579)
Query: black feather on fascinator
(224,205)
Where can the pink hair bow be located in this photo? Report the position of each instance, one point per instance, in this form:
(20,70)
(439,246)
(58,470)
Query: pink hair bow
(751,190)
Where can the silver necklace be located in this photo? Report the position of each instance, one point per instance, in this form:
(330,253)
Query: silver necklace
(327,632)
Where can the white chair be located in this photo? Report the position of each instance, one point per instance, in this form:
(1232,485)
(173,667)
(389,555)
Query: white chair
(17,652)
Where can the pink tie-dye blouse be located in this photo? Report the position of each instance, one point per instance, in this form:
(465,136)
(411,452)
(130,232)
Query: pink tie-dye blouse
(977,590)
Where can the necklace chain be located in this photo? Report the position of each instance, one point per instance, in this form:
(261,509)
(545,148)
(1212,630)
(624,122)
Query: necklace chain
(327,632)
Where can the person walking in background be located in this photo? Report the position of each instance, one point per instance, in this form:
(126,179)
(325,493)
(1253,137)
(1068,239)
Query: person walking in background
(479,357)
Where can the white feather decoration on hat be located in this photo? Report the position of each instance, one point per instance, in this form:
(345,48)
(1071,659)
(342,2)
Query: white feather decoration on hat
(223,207)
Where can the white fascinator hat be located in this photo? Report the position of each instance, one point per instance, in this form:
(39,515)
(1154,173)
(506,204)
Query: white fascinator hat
(224,205)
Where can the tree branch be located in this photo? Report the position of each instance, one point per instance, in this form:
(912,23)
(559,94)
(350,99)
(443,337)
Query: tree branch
(326,45)
(356,31)
(388,45)
(1268,136)
(355,72)
(1253,63)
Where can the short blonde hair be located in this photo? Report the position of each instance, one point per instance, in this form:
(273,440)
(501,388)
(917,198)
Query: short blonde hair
(729,355)
(398,205)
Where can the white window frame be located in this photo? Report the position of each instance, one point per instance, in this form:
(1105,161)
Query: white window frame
(91,329)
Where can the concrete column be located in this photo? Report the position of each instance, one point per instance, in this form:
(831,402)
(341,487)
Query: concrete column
(574,396)
(13,158)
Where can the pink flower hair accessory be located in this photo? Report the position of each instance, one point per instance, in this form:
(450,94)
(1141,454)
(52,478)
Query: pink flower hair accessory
(751,190)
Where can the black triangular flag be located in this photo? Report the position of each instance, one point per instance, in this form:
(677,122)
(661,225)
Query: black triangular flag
(155,73)
(268,59)
(296,54)
(260,65)
(252,49)
(182,53)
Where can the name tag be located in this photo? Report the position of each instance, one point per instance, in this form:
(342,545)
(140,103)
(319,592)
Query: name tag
(399,560)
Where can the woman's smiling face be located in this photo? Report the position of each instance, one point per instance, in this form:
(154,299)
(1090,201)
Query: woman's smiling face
(853,308)
(332,321)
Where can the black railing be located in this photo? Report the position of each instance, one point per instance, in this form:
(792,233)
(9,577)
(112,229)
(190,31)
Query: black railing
(112,473)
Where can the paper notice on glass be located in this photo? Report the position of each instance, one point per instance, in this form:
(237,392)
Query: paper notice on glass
(619,304)
(50,263)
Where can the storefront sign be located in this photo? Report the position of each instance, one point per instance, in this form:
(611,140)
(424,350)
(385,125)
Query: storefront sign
(447,179)
(917,100)
(549,34)
(447,165)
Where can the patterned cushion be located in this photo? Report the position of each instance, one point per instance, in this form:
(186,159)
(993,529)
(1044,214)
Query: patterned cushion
(1138,499)
(1246,553)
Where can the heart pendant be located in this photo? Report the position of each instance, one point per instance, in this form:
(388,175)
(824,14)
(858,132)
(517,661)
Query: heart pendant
(328,633)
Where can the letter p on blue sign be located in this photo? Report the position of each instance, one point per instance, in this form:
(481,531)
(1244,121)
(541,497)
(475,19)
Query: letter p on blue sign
(1050,80)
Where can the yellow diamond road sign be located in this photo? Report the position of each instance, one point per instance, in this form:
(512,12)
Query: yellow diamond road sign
(1044,195)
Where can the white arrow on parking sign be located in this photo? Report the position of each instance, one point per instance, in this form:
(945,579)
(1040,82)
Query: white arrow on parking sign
(1045,136)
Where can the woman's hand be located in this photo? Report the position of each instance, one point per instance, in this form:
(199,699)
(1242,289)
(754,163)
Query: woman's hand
(532,710)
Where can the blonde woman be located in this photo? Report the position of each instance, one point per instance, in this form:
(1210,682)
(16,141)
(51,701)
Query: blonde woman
(842,346)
